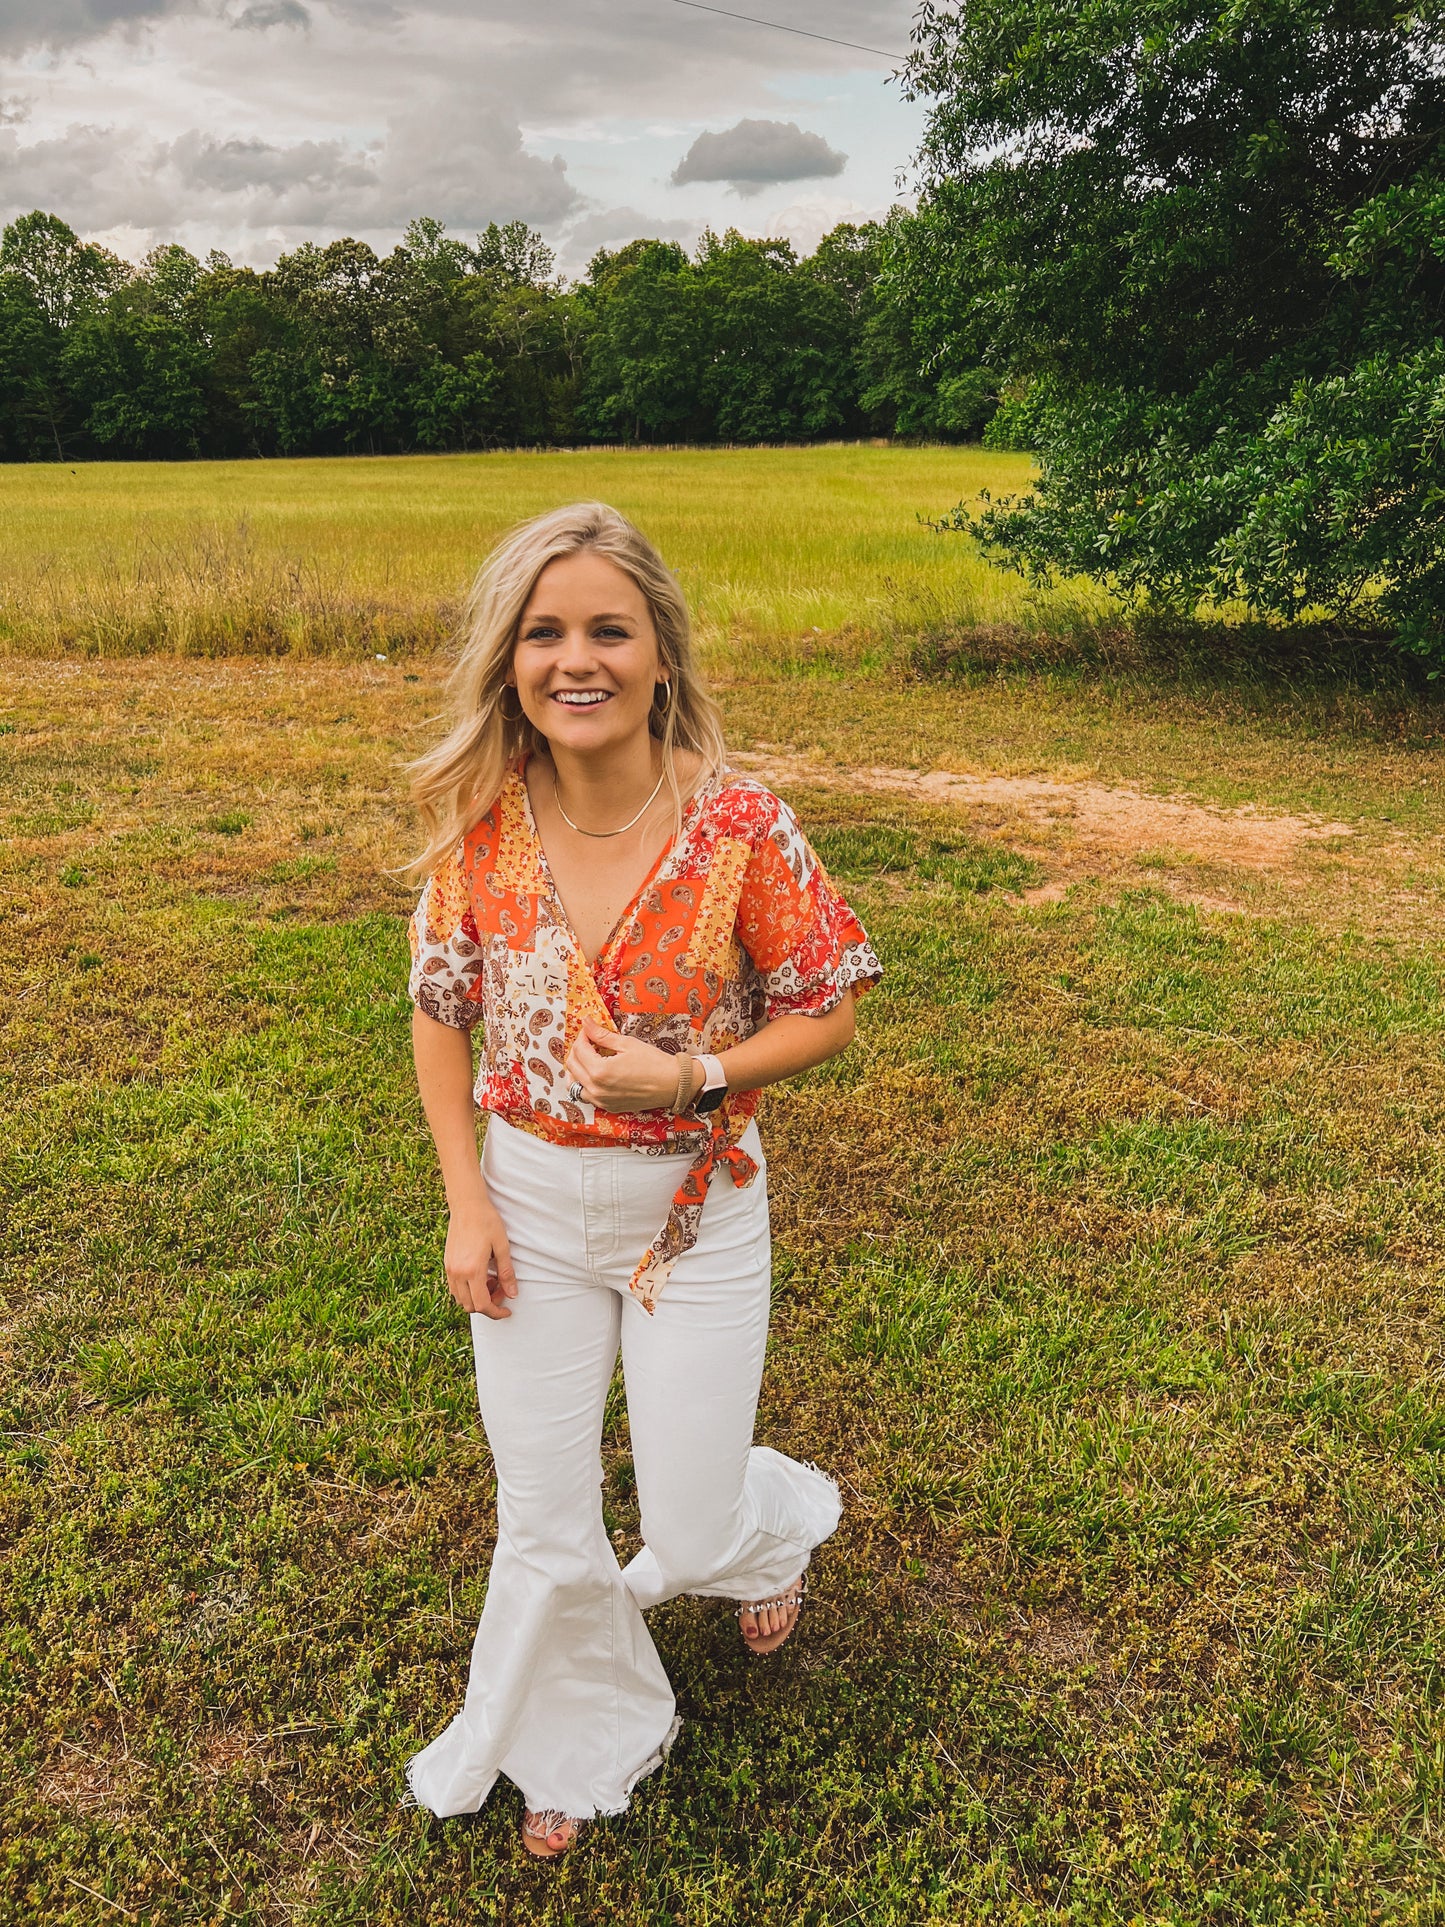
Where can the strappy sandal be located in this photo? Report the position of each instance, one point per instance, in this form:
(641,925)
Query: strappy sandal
(538,1829)
(789,1600)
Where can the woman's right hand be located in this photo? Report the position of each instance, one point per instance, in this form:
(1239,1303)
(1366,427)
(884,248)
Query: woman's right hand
(479,1262)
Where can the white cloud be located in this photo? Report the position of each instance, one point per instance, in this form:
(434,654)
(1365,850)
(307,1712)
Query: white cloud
(460,157)
(805,221)
(613,227)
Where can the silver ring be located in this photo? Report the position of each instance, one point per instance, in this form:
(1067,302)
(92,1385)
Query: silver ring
(574,1091)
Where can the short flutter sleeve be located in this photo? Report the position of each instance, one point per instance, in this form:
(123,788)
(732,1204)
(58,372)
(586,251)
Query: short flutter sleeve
(803,938)
(446,950)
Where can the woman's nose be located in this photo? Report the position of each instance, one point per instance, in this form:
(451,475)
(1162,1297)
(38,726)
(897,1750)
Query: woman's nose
(578,655)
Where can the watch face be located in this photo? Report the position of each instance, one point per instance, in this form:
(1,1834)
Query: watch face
(710,1100)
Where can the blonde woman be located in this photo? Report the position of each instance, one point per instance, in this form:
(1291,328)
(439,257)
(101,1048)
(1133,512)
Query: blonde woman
(644,940)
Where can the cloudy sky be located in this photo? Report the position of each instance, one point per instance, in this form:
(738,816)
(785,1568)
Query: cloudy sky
(251,125)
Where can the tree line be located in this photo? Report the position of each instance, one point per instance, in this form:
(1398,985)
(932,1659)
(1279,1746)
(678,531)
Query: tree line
(449,344)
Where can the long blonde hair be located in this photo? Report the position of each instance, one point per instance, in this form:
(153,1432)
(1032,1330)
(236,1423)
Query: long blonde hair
(455,784)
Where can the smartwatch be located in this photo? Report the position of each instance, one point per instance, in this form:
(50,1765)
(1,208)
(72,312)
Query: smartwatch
(714,1086)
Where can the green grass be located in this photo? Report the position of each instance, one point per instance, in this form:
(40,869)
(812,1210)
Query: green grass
(361,555)
(887,841)
(1108,1283)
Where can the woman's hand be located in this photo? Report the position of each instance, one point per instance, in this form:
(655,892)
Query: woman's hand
(620,1073)
(479,1264)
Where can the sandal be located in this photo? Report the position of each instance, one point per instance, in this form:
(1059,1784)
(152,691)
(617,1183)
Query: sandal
(788,1601)
(548,1833)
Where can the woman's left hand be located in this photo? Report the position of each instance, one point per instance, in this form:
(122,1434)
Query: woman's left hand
(620,1073)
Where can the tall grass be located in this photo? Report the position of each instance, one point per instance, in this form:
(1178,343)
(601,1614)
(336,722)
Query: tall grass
(373,555)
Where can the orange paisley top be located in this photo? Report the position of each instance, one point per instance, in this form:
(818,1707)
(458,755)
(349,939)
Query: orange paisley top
(737,923)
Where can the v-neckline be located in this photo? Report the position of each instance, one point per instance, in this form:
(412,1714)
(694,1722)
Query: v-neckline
(669,850)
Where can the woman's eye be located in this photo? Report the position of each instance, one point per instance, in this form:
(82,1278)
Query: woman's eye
(611,632)
(539,632)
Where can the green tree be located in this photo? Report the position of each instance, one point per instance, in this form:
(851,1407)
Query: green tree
(776,342)
(141,380)
(437,256)
(644,369)
(454,405)
(68,277)
(515,253)
(439,345)
(167,282)
(134,364)
(919,361)
(340,376)
(49,281)
(238,320)
(34,407)
(1209,238)
(742,343)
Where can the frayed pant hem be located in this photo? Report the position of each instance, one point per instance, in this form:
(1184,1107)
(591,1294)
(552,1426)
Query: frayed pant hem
(602,1811)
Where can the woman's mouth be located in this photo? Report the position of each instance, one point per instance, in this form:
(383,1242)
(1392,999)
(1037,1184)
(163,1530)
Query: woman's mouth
(581,698)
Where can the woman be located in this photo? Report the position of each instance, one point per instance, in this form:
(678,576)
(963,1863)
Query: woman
(646,940)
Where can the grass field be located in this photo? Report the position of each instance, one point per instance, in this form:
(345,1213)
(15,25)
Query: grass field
(358,555)
(1109,1285)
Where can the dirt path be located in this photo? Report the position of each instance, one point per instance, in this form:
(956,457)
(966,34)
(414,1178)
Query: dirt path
(1078,825)
(1124,821)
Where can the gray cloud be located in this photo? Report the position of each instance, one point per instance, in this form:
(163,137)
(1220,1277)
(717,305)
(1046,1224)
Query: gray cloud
(238,166)
(757,154)
(647,41)
(464,166)
(212,122)
(50,23)
(272,13)
(73,176)
(235,166)
(598,226)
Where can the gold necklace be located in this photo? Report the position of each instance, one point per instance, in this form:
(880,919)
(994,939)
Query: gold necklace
(557,797)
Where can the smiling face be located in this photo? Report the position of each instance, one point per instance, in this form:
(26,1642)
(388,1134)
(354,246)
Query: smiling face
(586,664)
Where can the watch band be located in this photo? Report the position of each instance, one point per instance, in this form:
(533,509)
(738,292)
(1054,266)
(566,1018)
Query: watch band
(714,1085)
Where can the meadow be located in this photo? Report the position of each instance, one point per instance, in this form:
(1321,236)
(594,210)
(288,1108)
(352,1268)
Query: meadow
(323,556)
(1108,1284)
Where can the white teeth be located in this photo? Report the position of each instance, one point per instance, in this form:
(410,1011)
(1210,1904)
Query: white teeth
(580,698)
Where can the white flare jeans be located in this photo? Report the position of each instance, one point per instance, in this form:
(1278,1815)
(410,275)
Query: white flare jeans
(567,1695)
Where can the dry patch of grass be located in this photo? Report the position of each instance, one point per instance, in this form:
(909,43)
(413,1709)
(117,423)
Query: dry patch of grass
(89,1783)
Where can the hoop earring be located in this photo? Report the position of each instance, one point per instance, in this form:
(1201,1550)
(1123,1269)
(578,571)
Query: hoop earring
(502,701)
(666,686)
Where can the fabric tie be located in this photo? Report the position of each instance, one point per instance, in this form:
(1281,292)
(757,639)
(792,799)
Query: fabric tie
(679,1234)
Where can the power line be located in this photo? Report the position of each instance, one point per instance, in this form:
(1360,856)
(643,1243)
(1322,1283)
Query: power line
(802,32)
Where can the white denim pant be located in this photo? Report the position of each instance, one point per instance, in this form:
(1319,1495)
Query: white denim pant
(567,1695)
